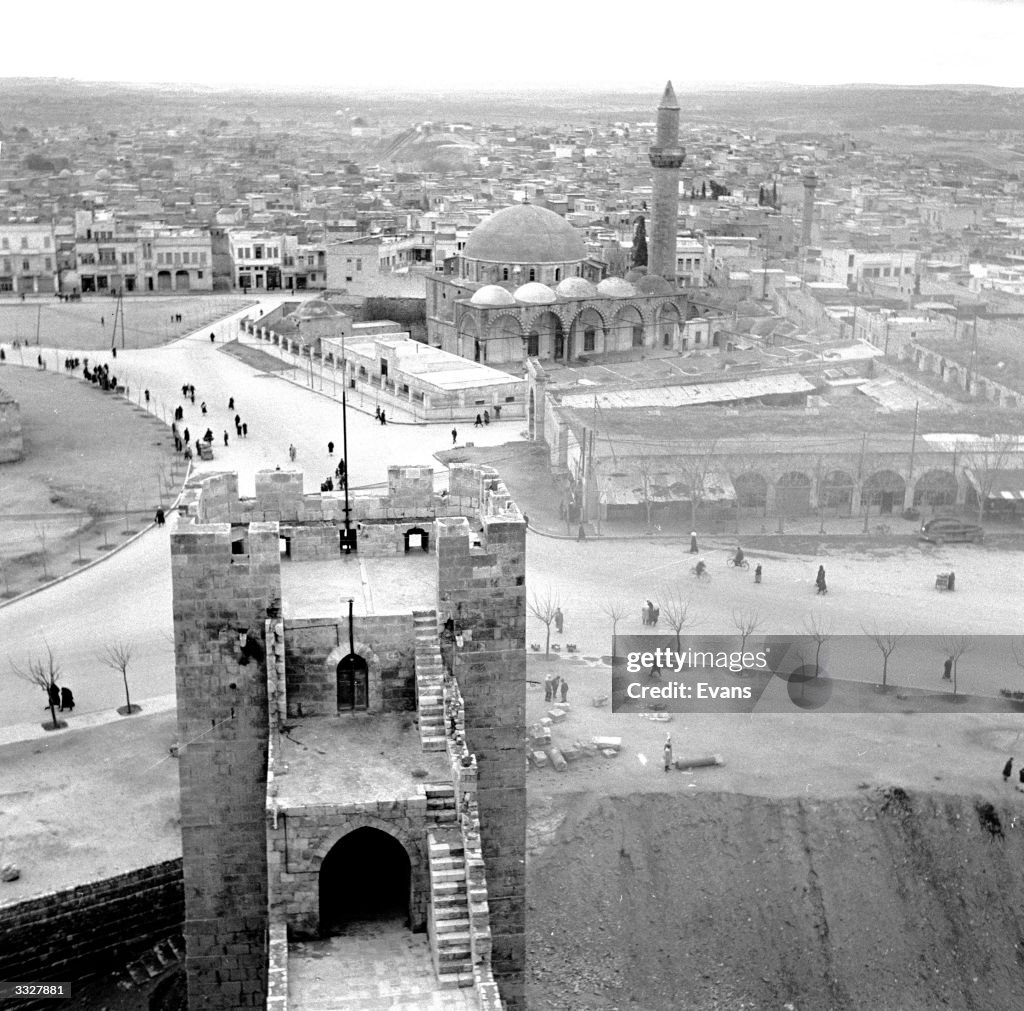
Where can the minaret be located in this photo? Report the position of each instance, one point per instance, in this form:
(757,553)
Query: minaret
(666,157)
(810,184)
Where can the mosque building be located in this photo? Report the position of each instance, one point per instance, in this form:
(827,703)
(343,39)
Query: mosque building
(525,287)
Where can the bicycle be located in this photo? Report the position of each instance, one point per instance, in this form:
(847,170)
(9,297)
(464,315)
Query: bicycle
(702,574)
(732,563)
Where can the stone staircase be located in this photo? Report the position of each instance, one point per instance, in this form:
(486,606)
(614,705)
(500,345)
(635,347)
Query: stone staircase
(441,803)
(449,942)
(429,681)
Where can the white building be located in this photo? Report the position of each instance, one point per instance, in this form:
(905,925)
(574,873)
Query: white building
(28,258)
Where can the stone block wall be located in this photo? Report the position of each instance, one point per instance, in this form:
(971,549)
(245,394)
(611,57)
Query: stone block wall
(11,445)
(315,646)
(411,488)
(298,840)
(222,730)
(97,928)
(484,588)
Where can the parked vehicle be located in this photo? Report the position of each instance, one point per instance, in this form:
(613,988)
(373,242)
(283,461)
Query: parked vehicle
(949,528)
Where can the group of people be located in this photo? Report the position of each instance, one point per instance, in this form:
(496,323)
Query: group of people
(59,698)
(482,420)
(555,685)
(380,416)
(100,376)
(650,613)
(1008,772)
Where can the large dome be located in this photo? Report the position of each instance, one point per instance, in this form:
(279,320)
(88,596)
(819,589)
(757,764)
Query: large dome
(575,287)
(615,287)
(535,293)
(525,233)
(492,295)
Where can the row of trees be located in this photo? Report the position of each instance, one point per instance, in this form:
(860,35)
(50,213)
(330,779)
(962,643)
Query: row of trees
(678,614)
(45,672)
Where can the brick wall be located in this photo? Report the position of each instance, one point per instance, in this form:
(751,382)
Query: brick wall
(314,647)
(222,726)
(94,929)
(485,587)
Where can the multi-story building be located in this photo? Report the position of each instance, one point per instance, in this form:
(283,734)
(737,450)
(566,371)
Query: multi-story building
(304,265)
(28,258)
(257,260)
(852,267)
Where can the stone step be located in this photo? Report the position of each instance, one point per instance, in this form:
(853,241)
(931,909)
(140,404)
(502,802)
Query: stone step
(433,744)
(446,926)
(439,790)
(455,977)
(449,911)
(449,888)
(440,848)
(445,862)
(449,874)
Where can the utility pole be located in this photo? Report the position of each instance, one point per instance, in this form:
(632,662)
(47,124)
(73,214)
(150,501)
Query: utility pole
(913,447)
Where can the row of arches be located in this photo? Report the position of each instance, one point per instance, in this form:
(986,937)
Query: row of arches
(553,333)
(838,490)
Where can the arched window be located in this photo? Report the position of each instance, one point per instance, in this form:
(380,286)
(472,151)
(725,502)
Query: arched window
(558,274)
(533,274)
(504,273)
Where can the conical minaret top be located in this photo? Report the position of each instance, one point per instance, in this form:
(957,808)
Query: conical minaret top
(668,100)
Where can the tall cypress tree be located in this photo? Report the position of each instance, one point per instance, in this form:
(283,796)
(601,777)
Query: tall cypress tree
(640,242)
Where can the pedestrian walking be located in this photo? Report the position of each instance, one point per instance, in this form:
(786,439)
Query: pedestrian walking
(559,620)
(192,396)
(383,418)
(160,518)
(231,404)
(947,671)
(1008,769)
(547,686)
(487,418)
(455,436)
(188,452)
(213,337)
(185,435)
(291,453)
(757,573)
(330,449)
(479,423)
(245,430)
(225,436)
(819,581)
(555,681)
(53,696)
(376,413)
(564,689)
(202,407)
(667,752)
(146,395)
(694,550)
(67,699)
(113,351)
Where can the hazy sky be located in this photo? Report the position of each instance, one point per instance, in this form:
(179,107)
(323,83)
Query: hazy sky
(407,46)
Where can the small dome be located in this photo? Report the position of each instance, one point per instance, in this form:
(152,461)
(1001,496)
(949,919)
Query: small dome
(535,293)
(525,233)
(575,287)
(615,287)
(635,273)
(315,308)
(492,295)
(64,173)
(651,284)
(103,175)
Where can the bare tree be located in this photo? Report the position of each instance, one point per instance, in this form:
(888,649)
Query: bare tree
(117,656)
(126,491)
(645,470)
(45,673)
(819,628)
(676,610)
(747,623)
(955,647)
(43,537)
(886,643)
(616,610)
(543,608)
(985,464)
(695,469)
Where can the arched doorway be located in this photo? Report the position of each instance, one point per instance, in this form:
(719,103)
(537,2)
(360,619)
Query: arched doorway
(793,494)
(751,491)
(353,683)
(935,489)
(883,490)
(365,877)
(181,281)
(163,280)
(835,491)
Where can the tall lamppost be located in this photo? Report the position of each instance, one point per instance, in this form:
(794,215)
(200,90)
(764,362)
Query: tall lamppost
(348,536)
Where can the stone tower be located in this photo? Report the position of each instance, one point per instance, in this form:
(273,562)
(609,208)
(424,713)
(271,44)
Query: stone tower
(810,184)
(220,598)
(481,583)
(666,157)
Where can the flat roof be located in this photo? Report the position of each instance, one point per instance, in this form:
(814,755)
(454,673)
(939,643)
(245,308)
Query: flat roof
(337,760)
(695,393)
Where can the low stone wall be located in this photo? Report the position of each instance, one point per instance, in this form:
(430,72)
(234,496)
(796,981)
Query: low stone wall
(11,446)
(91,929)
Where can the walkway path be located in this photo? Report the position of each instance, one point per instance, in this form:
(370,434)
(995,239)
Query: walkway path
(376,967)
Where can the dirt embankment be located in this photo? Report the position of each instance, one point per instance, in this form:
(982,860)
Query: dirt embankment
(886,900)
